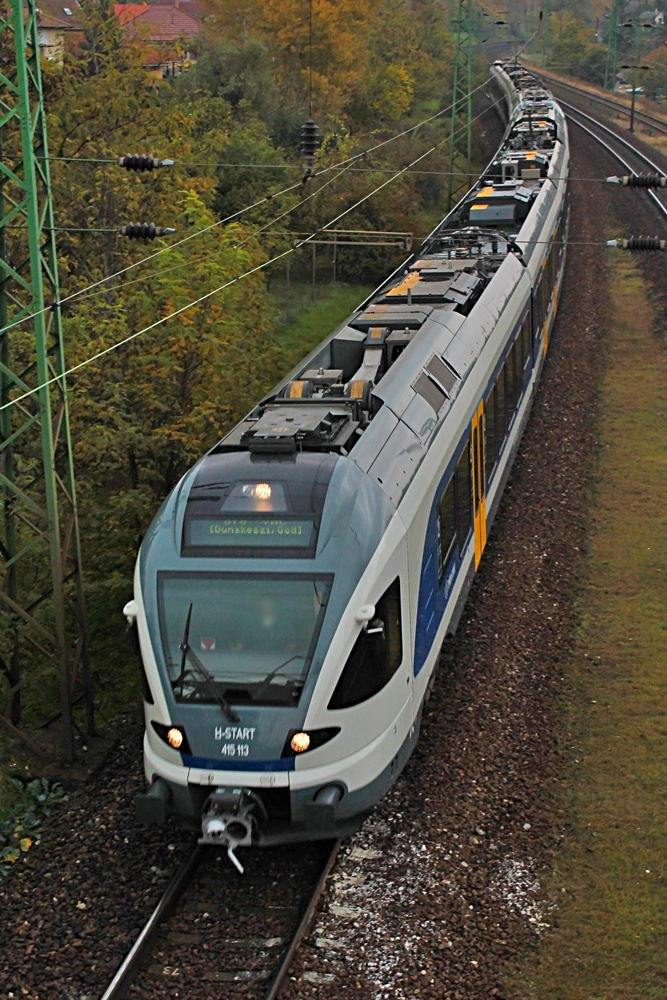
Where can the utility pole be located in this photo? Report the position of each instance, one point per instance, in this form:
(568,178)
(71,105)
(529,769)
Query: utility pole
(461,118)
(611,62)
(545,15)
(43,633)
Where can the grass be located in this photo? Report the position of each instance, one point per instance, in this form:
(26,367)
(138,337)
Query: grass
(609,879)
(311,321)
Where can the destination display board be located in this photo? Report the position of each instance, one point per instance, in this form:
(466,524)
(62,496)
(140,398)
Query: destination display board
(250,532)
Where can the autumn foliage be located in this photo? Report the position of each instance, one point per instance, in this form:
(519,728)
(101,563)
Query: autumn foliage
(142,413)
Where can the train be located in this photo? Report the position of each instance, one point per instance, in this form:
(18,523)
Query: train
(292,593)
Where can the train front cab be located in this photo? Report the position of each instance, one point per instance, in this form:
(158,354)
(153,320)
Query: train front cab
(356,705)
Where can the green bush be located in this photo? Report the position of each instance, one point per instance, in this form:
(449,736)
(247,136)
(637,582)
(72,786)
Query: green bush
(27,806)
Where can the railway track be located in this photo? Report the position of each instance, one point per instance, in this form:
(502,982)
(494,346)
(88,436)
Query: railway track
(212,930)
(623,152)
(642,117)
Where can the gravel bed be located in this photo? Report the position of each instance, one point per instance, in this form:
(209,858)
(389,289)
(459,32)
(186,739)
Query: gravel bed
(76,901)
(440,892)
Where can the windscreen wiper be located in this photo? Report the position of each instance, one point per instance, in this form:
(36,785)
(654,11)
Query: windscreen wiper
(206,679)
(184,650)
(266,683)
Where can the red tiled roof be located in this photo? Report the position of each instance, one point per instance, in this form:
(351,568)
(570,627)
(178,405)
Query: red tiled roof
(53,14)
(157,22)
(195,8)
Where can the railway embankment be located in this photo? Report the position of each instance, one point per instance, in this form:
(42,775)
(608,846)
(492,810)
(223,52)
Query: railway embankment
(608,881)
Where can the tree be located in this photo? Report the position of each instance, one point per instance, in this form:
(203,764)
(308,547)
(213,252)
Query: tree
(145,412)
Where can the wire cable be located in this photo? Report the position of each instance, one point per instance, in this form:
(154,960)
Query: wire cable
(287,166)
(143,260)
(146,329)
(215,291)
(399,173)
(85,293)
(259,232)
(227,284)
(216,253)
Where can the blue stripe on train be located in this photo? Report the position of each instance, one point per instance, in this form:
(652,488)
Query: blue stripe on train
(215,764)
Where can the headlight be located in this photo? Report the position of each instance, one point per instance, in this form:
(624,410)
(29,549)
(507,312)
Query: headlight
(263,491)
(173,736)
(299,741)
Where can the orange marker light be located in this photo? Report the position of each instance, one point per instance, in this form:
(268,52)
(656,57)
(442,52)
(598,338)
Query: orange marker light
(263,491)
(300,742)
(175,738)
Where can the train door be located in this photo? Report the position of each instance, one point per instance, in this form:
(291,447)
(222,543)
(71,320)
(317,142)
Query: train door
(545,295)
(477,452)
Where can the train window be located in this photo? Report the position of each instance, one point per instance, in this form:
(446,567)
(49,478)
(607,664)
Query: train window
(537,319)
(541,299)
(501,410)
(562,230)
(511,383)
(477,470)
(553,257)
(545,289)
(526,338)
(519,366)
(463,496)
(376,655)
(509,387)
(446,526)
(491,446)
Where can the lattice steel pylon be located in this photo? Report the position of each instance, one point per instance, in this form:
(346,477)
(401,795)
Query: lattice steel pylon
(461,117)
(43,634)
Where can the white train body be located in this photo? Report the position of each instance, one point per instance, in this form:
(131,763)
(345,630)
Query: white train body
(293,593)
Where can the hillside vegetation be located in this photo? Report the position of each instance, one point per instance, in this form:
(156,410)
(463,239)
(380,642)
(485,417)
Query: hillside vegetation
(143,413)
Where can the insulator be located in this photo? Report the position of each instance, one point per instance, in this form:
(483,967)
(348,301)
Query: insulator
(640,181)
(144,231)
(138,161)
(309,140)
(639,243)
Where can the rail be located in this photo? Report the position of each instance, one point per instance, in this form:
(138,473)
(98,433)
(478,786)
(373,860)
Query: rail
(132,964)
(659,124)
(278,980)
(572,112)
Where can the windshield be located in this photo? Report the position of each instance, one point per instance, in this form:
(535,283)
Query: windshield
(240,638)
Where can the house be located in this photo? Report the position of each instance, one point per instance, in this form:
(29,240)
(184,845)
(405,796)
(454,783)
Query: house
(58,22)
(166,30)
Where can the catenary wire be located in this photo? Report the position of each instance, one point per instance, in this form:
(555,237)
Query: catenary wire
(214,253)
(354,156)
(291,166)
(227,284)
(258,268)
(215,291)
(342,163)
